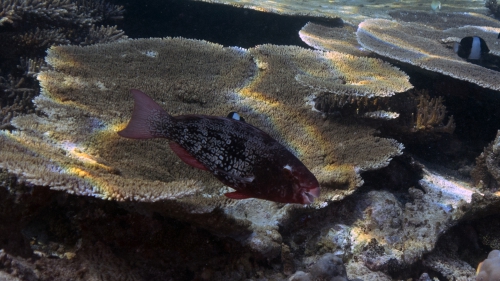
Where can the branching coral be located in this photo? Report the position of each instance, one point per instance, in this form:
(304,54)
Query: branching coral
(30,27)
(430,115)
(42,38)
(420,118)
(103,34)
(52,11)
(17,93)
(50,22)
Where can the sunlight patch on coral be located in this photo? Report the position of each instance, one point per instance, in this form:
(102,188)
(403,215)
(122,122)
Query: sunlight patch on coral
(452,190)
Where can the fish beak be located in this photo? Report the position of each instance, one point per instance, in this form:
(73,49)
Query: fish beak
(309,195)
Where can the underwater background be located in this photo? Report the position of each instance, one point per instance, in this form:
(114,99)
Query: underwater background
(372,96)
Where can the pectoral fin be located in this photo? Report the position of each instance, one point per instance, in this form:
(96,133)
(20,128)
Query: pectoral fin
(237,195)
(238,180)
(186,157)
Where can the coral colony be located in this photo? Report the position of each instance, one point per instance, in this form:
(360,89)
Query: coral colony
(394,115)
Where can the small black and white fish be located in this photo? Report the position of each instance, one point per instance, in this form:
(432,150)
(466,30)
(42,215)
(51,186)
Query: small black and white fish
(471,48)
(236,153)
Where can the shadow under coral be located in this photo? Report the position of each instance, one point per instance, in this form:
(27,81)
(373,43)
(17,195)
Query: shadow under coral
(50,235)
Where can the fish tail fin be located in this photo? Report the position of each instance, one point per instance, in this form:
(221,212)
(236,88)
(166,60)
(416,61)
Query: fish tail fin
(146,118)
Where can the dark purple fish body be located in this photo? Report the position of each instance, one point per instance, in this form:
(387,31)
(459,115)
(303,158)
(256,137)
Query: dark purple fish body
(238,154)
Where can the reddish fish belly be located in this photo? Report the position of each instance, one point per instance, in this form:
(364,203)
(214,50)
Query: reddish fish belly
(238,154)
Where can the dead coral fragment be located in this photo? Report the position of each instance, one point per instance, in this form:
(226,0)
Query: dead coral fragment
(486,174)
(382,114)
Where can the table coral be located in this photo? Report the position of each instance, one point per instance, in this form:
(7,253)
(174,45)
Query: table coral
(74,147)
(340,38)
(371,102)
(283,90)
(226,81)
(351,11)
(91,140)
(424,46)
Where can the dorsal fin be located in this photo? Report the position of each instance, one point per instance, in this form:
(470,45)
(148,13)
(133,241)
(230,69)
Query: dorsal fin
(235,116)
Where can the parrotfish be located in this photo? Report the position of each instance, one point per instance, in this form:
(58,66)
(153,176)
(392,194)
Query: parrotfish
(238,154)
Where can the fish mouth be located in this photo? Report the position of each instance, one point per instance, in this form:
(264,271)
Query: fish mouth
(309,195)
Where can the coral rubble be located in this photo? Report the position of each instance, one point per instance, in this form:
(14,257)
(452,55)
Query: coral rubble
(384,234)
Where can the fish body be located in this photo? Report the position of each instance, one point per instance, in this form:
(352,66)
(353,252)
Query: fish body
(471,48)
(238,154)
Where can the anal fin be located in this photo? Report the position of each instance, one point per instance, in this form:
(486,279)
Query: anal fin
(186,157)
(237,195)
